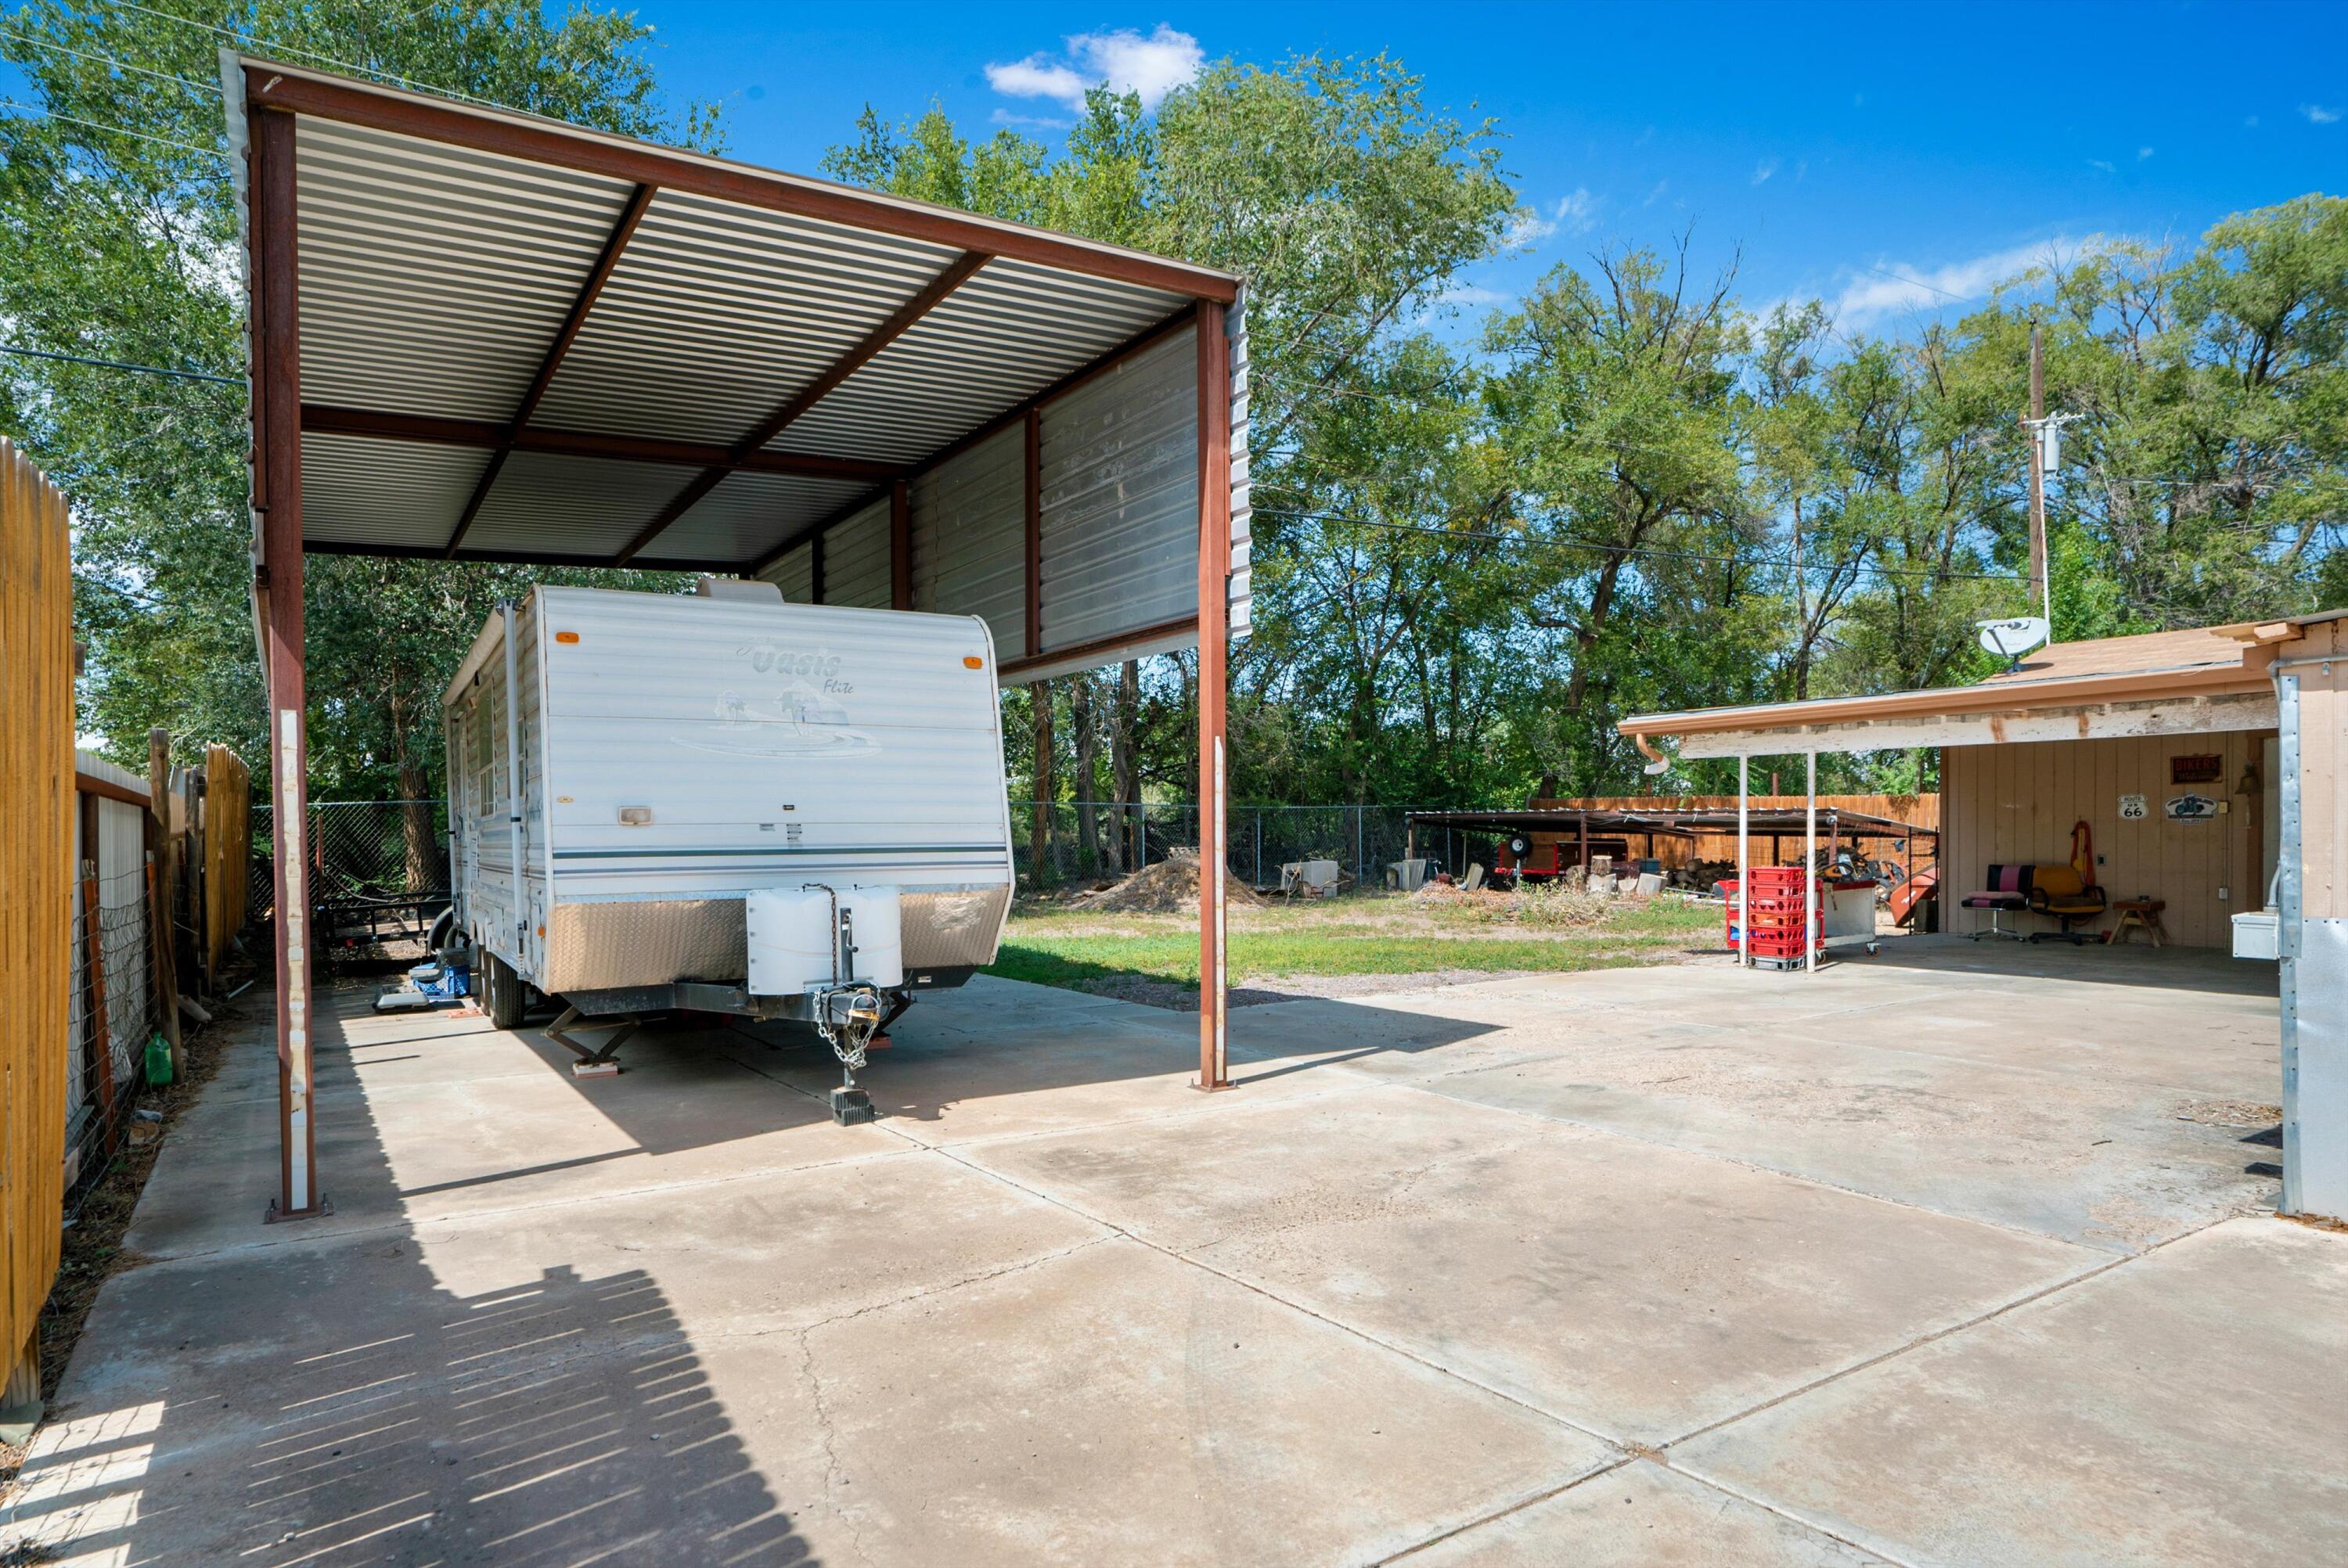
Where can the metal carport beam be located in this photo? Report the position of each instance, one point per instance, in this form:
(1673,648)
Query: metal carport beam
(270,85)
(622,232)
(326,419)
(271,188)
(899,322)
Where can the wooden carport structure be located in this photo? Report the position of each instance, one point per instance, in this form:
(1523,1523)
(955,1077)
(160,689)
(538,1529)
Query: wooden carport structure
(2103,713)
(480,336)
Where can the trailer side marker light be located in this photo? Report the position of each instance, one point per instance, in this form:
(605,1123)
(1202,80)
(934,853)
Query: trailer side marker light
(972,661)
(566,637)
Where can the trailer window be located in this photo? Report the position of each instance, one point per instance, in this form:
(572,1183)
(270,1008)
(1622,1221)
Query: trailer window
(480,791)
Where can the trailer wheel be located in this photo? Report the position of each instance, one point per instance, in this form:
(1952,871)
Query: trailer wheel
(501,992)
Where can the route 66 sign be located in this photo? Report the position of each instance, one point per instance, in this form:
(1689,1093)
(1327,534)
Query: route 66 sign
(2132,808)
(2191,808)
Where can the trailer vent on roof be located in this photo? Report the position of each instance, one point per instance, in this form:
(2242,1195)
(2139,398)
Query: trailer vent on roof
(738,587)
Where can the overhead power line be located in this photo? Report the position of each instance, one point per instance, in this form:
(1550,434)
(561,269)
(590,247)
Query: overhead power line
(123,364)
(1647,551)
(273,46)
(115,130)
(120,64)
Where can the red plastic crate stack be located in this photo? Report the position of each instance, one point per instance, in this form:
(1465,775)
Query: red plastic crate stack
(1776,908)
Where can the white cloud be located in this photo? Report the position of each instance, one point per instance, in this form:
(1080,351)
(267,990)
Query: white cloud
(1527,227)
(2104,164)
(1657,193)
(1469,294)
(1579,211)
(1123,61)
(2317,114)
(1035,121)
(2142,153)
(1764,170)
(1875,292)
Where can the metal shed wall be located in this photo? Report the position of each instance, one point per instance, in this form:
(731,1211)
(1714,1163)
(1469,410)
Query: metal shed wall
(795,574)
(1119,500)
(856,558)
(969,538)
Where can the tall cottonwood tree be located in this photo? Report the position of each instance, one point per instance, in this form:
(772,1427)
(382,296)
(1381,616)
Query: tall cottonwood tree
(118,242)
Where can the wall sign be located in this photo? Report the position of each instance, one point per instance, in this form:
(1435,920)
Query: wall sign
(2193,808)
(2207,769)
(2132,808)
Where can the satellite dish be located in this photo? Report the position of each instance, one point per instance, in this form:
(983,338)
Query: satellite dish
(2011,638)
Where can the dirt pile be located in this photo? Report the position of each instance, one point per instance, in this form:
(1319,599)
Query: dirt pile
(1169,887)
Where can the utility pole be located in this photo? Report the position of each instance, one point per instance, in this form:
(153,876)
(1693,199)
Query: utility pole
(1801,610)
(2037,426)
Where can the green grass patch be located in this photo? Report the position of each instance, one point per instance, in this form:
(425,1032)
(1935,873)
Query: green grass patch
(1035,951)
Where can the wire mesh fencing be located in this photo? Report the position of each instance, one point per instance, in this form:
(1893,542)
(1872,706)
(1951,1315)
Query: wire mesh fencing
(113,1010)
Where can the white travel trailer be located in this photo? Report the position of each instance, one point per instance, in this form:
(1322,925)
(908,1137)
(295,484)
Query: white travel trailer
(724,803)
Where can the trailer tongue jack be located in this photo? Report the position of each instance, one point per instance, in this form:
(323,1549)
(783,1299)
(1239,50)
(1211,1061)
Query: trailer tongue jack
(847,1017)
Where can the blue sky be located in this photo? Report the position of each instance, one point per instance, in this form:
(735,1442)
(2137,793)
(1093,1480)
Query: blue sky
(1889,159)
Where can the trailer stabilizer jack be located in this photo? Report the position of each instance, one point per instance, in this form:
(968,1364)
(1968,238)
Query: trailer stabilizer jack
(594,1061)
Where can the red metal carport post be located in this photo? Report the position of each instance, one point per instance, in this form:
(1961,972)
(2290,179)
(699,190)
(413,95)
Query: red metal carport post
(277,497)
(1214,591)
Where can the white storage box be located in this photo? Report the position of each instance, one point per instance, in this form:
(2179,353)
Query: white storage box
(794,944)
(2258,934)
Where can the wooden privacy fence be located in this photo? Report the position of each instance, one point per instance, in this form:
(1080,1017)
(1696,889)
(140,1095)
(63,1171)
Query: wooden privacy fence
(224,806)
(1919,811)
(95,915)
(37,883)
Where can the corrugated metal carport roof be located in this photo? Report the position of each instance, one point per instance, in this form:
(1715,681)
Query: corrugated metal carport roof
(525,341)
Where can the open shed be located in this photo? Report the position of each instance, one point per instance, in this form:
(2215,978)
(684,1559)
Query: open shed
(480,335)
(2207,767)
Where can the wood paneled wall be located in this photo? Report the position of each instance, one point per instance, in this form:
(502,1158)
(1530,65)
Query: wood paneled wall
(37,836)
(2017,803)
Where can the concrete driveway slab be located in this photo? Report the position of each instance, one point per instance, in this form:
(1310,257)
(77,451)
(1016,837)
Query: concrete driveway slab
(416,1151)
(2093,1158)
(1028,1064)
(1200,1423)
(536,1386)
(2182,1408)
(1637,1291)
(1642,1516)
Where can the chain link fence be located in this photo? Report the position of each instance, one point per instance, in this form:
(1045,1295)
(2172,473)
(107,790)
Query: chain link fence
(1090,840)
(370,857)
(377,868)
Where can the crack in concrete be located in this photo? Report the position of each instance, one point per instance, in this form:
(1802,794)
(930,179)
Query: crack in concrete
(1919,1341)
(824,1434)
